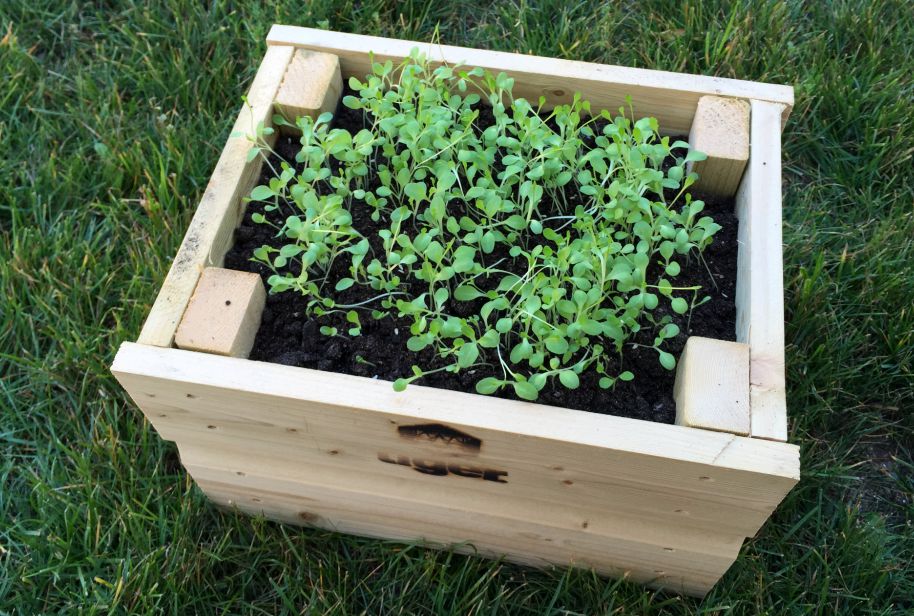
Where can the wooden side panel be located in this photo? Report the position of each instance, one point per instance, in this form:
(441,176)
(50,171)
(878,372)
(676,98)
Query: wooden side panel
(598,543)
(520,541)
(670,97)
(760,283)
(327,449)
(352,452)
(210,232)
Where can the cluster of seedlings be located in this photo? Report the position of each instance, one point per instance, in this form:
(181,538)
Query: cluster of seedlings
(557,233)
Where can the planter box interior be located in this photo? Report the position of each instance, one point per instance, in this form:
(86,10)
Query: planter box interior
(666,505)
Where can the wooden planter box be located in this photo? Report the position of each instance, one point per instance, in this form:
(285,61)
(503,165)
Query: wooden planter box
(667,505)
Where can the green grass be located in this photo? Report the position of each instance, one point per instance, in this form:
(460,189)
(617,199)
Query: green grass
(110,123)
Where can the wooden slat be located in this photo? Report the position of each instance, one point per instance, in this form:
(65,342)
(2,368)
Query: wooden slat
(331,451)
(210,232)
(670,97)
(760,283)
(692,563)
(526,543)
(252,382)
(284,474)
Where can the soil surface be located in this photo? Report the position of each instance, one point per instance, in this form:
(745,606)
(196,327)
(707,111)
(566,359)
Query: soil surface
(287,336)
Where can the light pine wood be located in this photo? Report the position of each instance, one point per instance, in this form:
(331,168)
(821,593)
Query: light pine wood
(712,386)
(523,542)
(288,438)
(312,85)
(603,544)
(286,474)
(670,97)
(223,314)
(304,435)
(662,504)
(720,130)
(760,281)
(210,232)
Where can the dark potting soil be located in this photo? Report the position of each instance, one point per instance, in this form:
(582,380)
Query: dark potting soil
(288,336)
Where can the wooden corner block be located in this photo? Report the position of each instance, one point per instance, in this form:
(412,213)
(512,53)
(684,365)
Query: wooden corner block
(224,313)
(311,86)
(712,386)
(720,130)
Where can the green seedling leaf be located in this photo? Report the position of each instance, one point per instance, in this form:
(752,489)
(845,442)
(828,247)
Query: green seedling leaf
(556,344)
(679,305)
(525,390)
(262,193)
(521,351)
(417,343)
(467,355)
(416,191)
(488,385)
(465,293)
(569,379)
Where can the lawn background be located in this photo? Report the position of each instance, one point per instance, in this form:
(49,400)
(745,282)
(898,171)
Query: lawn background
(112,115)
